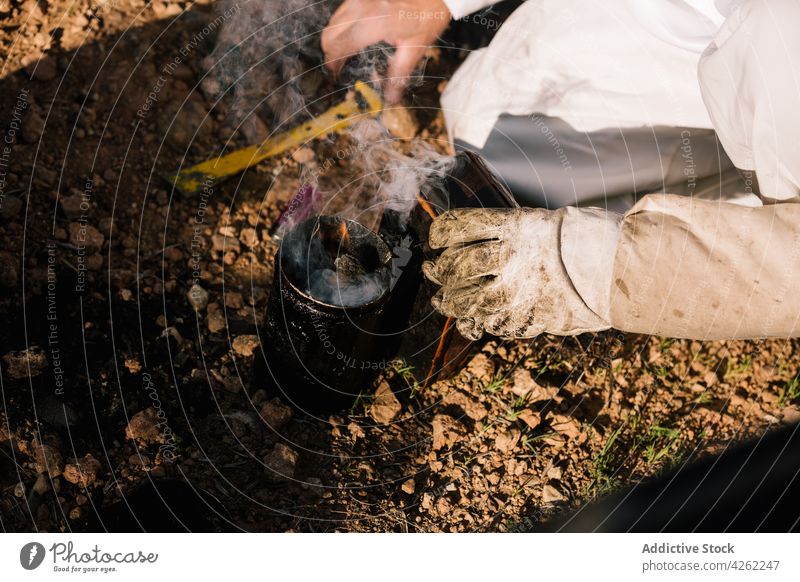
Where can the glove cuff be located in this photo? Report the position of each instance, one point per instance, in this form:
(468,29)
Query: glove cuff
(589,239)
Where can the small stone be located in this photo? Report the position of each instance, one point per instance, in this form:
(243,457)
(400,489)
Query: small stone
(81,499)
(304,155)
(42,485)
(139,460)
(505,442)
(249,237)
(446,431)
(529,417)
(33,127)
(427,501)
(400,123)
(234,300)
(47,457)
(19,490)
(198,297)
(791,415)
(524,386)
(481,367)
(281,461)
(26,363)
(408,486)
(133,365)
(144,427)
(551,494)
(232,384)
(475,410)
(222,243)
(565,425)
(75,513)
(215,320)
(276,414)
(85,236)
(385,405)
(245,345)
(83,472)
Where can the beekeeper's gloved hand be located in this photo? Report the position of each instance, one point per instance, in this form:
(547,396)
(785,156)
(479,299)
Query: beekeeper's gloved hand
(516,273)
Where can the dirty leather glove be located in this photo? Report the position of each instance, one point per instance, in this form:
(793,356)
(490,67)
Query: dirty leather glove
(502,271)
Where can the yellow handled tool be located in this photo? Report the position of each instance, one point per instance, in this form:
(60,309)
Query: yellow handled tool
(363,101)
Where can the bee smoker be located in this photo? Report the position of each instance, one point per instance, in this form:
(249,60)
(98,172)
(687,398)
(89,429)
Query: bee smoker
(346,303)
(426,341)
(322,345)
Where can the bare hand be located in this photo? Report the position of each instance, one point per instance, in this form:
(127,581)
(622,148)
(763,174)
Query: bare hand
(411,26)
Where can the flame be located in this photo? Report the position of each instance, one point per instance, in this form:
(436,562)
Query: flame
(344,236)
(426,206)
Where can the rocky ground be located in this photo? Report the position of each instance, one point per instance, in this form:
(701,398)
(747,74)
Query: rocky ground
(114,375)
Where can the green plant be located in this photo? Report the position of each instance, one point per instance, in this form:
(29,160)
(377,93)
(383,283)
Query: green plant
(406,372)
(659,443)
(603,466)
(790,392)
(496,383)
(739,368)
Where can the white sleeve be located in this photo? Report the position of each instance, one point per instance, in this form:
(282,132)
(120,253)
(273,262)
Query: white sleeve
(460,8)
(704,270)
(750,80)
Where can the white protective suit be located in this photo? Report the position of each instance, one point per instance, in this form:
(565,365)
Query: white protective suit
(693,266)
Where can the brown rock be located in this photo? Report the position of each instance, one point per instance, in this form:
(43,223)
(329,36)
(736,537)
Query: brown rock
(85,236)
(33,128)
(446,431)
(408,486)
(791,415)
(385,406)
(506,441)
(71,205)
(47,457)
(304,155)
(565,425)
(83,472)
(481,367)
(524,386)
(222,243)
(531,418)
(551,494)
(281,462)
(30,362)
(144,427)
(234,300)
(276,414)
(249,237)
(245,345)
(400,123)
(475,410)
(215,318)
(198,297)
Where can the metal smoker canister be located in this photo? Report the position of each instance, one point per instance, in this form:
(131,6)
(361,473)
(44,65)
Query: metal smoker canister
(320,355)
(428,342)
